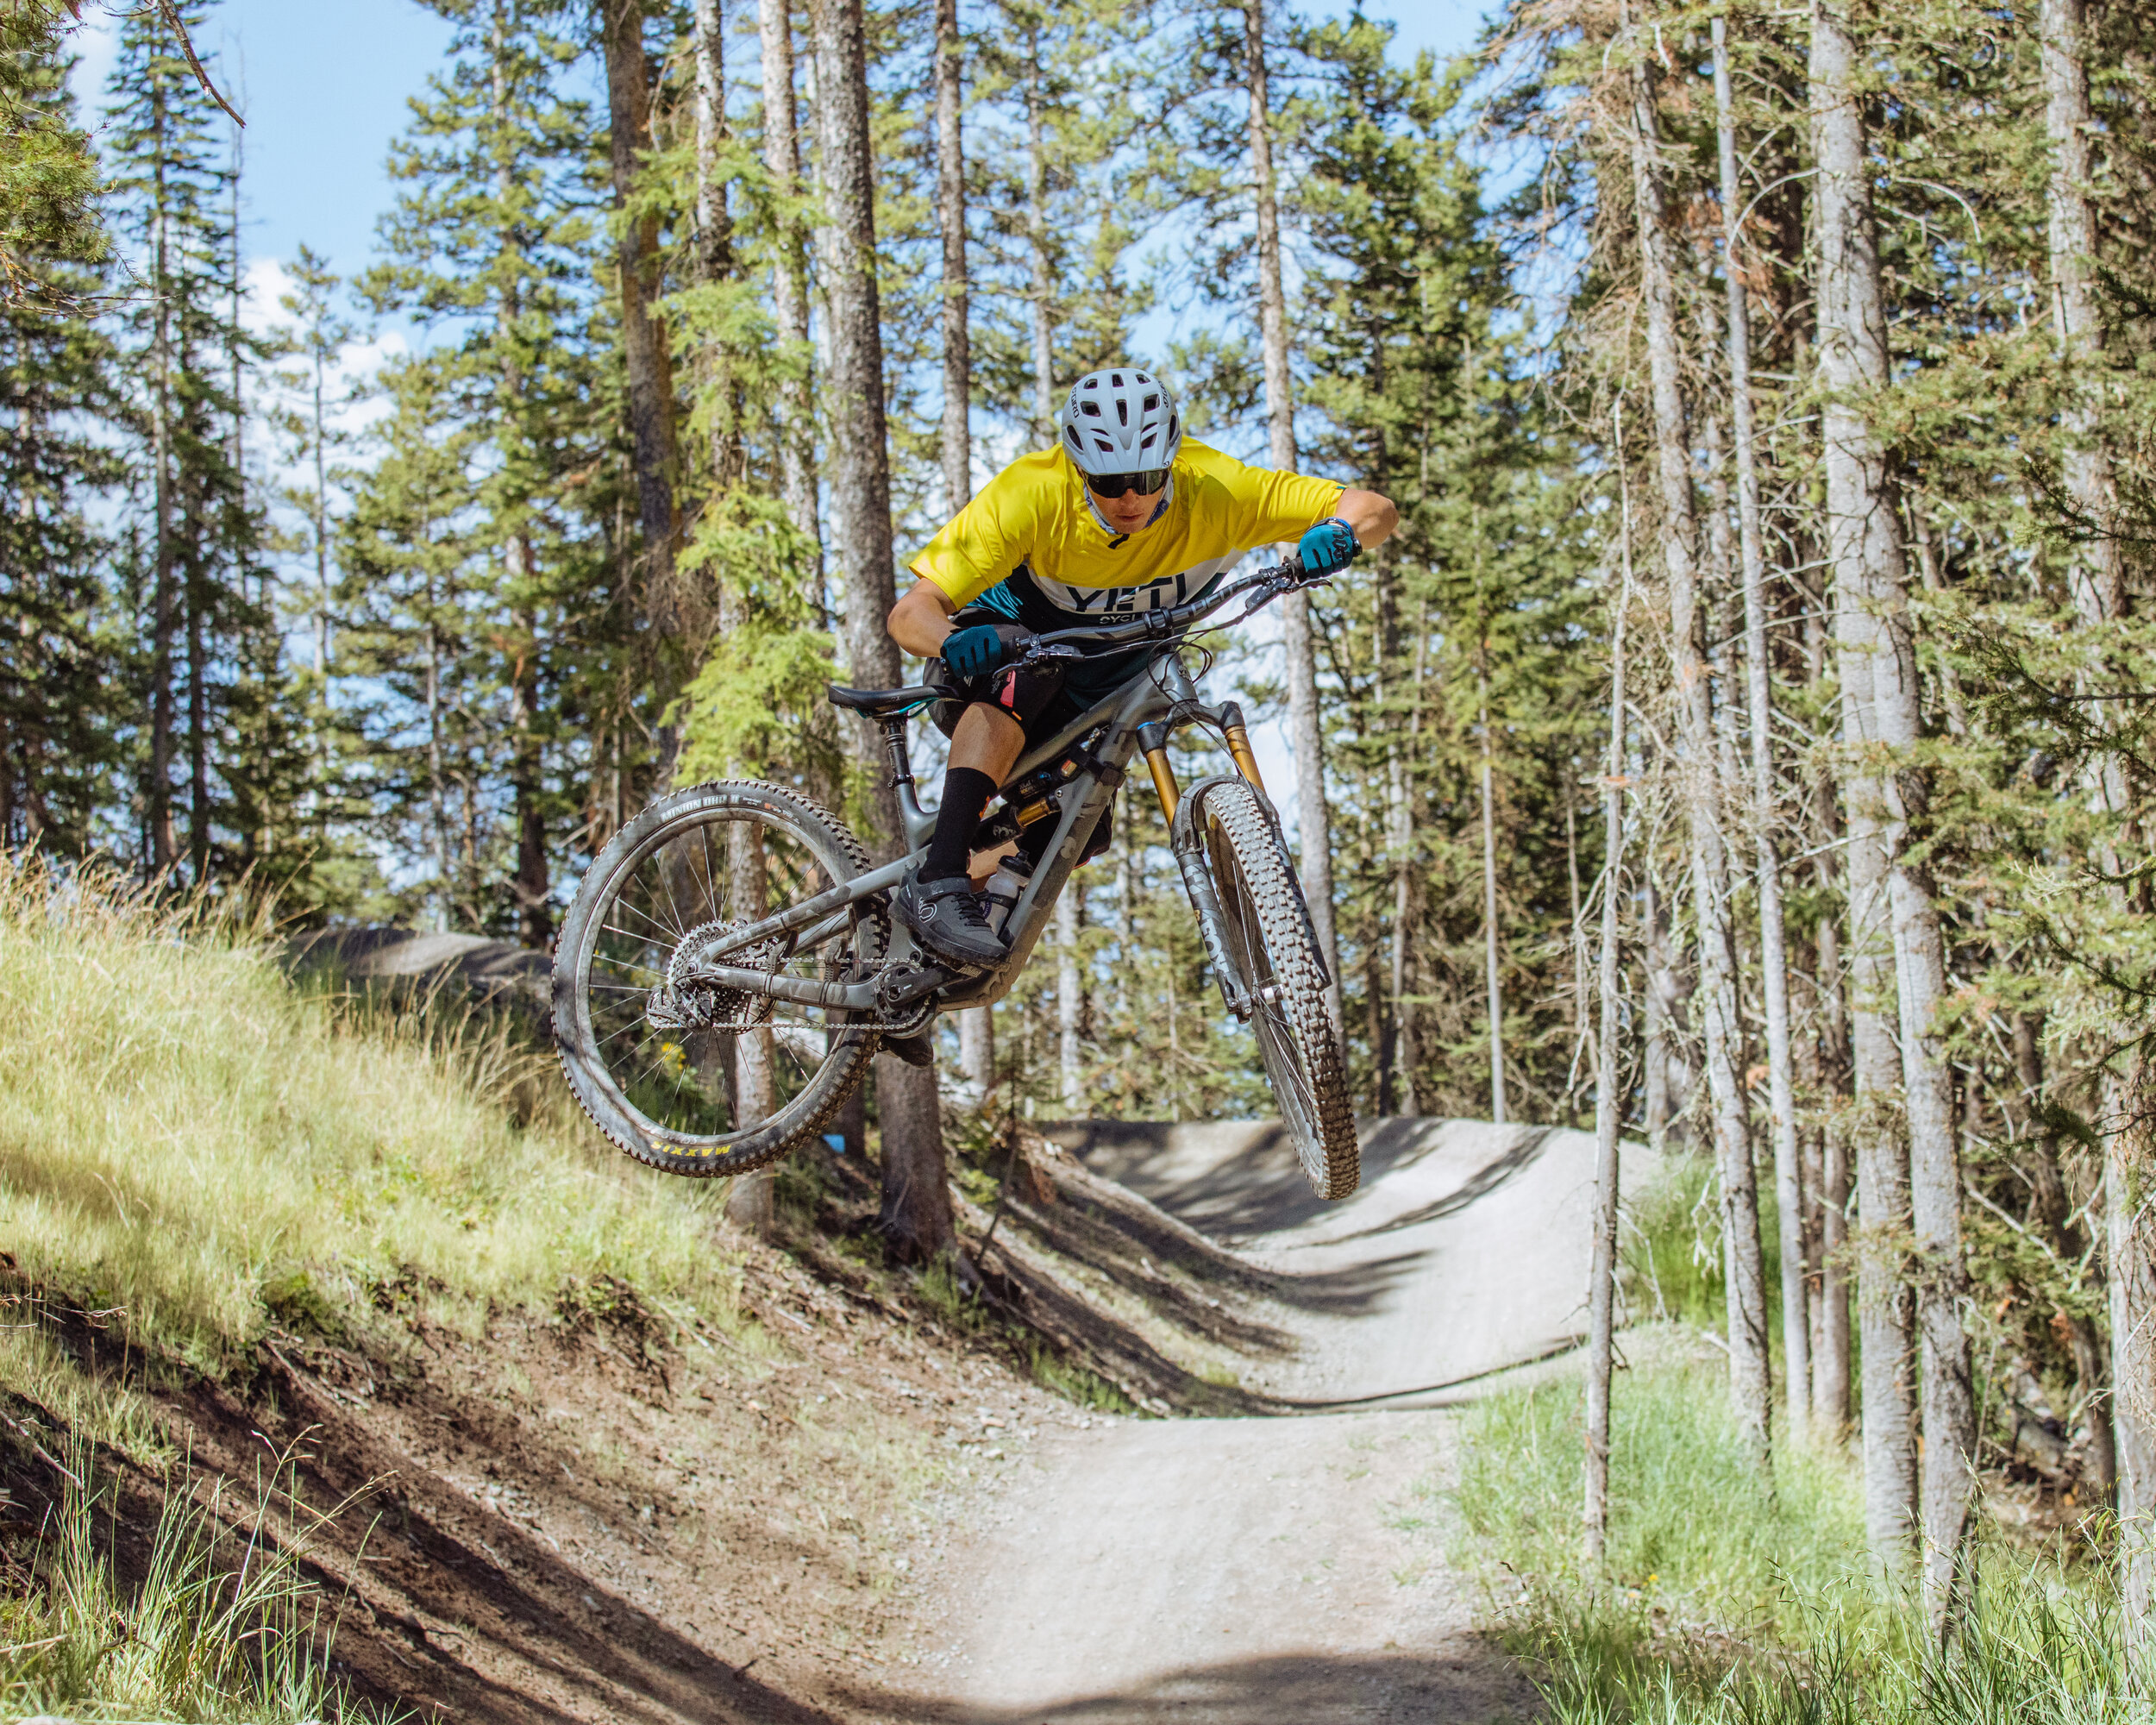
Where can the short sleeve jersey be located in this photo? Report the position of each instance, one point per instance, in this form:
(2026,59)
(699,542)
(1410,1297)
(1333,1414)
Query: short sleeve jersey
(1033,519)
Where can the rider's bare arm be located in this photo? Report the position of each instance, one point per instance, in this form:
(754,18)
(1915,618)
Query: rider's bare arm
(1372,516)
(921,619)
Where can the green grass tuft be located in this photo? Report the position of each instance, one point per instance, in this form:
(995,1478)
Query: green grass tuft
(224,1625)
(1725,1602)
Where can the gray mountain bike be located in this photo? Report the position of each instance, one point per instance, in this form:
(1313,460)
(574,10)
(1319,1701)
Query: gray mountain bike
(729,966)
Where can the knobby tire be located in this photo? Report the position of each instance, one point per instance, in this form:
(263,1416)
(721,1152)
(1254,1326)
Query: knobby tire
(1273,944)
(688,819)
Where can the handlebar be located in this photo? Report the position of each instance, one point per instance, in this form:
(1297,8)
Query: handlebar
(1164,625)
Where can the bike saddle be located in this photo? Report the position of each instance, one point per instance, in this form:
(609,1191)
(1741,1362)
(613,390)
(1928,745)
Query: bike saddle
(881,703)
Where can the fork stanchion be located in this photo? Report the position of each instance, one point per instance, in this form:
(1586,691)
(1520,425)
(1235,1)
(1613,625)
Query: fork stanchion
(1238,737)
(1152,737)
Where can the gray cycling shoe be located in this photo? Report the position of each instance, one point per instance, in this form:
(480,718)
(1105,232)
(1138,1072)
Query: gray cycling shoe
(949,918)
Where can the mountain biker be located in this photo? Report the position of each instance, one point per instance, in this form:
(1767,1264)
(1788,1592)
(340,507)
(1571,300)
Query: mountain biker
(1124,515)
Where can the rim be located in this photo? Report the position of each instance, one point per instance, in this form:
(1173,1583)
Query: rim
(694,1066)
(1278,1045)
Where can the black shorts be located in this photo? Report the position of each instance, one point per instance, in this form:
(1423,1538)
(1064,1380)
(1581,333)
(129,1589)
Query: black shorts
(1043,701)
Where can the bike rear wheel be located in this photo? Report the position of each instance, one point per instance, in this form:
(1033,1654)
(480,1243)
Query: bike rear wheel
(684,1076)
(1272,944)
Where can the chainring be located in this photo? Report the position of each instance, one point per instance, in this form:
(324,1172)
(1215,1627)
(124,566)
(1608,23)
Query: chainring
(685,1001)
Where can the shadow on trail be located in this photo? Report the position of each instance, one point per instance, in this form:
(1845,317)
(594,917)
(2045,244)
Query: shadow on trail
(1229,1179)
(1438,1687)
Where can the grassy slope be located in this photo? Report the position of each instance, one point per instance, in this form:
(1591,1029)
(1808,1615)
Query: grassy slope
(238,1212)
(184,1134)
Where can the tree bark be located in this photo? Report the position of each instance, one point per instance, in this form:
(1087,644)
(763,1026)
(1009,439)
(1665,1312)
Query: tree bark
(1887,897)
(916,1214)
(2098,571)
(751,1201)
(1306,732)
(645,361)
(1492,979)
(2130,1222)
(1069,1004)
(1863,519)
(1774,978)
(1609,1102)
(976,1026)
(789,286)
(163,847)
(950,220)
(1751,1384)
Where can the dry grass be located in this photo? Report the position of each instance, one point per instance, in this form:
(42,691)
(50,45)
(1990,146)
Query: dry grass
(187,1135)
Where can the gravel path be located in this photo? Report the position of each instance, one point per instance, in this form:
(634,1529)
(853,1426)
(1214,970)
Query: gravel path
(1281,1571)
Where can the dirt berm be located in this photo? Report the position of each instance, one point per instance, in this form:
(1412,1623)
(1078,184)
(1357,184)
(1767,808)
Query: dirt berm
(876,1500)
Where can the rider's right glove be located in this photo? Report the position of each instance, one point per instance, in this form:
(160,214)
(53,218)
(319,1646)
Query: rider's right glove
(976,652)
(1328,548)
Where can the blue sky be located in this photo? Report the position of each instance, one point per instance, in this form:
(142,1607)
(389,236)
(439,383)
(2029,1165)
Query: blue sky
(324,85)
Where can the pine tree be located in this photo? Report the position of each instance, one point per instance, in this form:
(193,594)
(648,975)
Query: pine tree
(61,727)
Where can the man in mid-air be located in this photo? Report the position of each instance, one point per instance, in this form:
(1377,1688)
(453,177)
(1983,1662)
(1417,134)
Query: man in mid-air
(1124,515)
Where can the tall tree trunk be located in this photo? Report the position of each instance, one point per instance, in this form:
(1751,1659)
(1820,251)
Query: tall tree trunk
(2099,590)
(1306,733)
(437,805)
(1832,1360)
(2098,568)
(976,1026)
(649,374)
(750,1198)
(1751,1384)
(789,285)
(164,599)
(1855,365)
(1609,1102)
(715,248)
(950,221)
(1774,975)
(1865,549)
(751,1201)
(2129,1226)
(532,888)
(196,598)
(916,1214)
(1070,1005)
(1492,978)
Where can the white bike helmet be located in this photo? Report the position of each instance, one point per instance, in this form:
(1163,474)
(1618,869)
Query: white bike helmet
(1119,422)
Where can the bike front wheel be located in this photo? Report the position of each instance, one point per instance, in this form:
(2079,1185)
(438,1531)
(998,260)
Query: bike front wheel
(1274,951)
(685,1077)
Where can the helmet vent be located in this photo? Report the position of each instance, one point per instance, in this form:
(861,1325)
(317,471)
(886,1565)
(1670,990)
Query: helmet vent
(1119,421)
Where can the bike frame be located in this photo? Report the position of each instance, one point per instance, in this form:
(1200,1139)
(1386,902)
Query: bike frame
(1140,714)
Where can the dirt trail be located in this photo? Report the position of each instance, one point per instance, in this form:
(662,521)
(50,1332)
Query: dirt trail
(1260,1570)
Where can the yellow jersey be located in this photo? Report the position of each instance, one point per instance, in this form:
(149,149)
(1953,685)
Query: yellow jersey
(1033,518)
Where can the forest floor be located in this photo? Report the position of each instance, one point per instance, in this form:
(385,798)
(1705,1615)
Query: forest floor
(549,1442)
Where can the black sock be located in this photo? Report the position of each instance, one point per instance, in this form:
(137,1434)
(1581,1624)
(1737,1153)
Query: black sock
(966,792)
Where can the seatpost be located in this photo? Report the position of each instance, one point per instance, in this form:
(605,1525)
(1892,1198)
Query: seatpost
(901,762)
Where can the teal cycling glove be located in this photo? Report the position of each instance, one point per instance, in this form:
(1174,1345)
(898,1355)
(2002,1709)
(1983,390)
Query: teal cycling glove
(1328,548)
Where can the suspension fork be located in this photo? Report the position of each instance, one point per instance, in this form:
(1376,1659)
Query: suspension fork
(1190,858)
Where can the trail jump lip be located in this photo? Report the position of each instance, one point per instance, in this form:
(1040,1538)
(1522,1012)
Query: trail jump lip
(1464,1255)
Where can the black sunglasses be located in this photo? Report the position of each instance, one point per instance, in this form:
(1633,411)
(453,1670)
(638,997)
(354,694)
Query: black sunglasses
(1120,485)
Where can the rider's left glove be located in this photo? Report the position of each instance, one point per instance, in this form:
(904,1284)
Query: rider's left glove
(1328,548)
(976,652)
